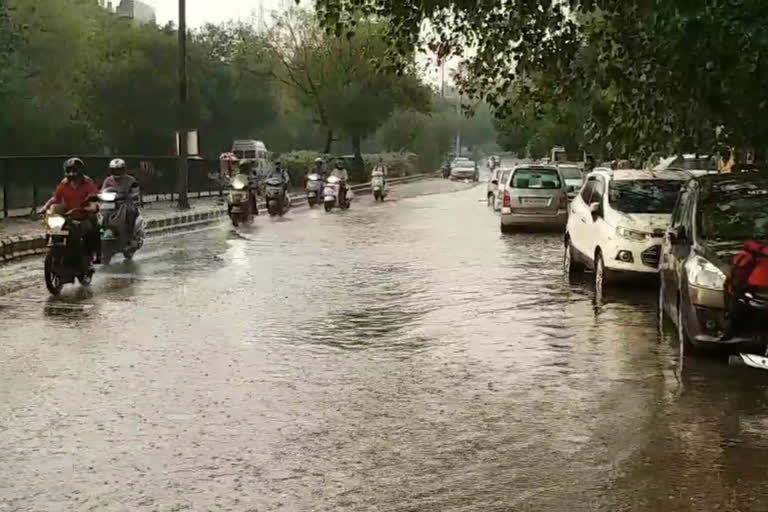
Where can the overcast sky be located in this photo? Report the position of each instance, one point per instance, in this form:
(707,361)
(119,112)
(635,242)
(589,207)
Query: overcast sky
(213,11)
(200,12)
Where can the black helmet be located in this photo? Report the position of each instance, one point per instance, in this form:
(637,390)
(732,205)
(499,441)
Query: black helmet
(339,164)
(74,167)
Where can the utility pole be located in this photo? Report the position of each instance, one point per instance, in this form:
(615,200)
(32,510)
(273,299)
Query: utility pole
(183,160)
(458,124)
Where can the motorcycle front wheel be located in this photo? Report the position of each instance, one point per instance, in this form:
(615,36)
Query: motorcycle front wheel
(328,206)
(52,280)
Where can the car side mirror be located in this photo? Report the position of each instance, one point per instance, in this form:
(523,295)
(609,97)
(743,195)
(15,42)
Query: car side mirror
(494,182)
(596,209)
(676,235)
(571,188)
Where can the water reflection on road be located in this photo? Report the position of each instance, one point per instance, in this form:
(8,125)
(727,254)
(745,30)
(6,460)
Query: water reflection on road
(403,356)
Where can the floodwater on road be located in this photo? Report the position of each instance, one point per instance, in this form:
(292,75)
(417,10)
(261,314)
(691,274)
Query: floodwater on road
(402,357)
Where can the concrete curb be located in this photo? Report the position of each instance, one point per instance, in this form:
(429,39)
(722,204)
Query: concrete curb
(18,247)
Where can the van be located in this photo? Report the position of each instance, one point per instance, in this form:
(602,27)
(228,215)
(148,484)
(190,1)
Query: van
(253,151)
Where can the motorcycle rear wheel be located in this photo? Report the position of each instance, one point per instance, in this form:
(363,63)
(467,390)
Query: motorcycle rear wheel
(328,206)
(52,280)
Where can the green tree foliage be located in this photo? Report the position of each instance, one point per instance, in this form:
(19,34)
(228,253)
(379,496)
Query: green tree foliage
(654,76)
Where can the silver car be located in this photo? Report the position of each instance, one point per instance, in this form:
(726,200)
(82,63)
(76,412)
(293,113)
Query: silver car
(535,196)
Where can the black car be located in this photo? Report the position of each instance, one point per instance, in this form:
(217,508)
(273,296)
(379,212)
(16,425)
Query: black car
(714,217)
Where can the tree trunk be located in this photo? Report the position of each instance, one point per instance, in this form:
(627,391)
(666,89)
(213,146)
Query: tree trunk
(328,141)
(359,165)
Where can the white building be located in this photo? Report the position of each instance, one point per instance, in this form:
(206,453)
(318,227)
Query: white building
(137,11)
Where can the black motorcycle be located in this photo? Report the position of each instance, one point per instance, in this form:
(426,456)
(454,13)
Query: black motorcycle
(68,257)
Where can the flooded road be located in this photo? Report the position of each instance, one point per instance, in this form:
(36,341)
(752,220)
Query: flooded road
(398,357)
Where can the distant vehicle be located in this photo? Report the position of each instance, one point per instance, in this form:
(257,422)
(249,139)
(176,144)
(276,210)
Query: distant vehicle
(617,222)
(255,154)
(574,178)
(492,188)
(535,195)
(465,170)
(496,191)
(709,302)
(696,165)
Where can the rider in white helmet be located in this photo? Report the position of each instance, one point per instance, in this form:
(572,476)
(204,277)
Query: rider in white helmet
(118,178)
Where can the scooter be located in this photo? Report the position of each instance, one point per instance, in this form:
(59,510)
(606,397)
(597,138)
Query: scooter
(331,194)
(378,186)
(68,258)
(241,204)
(314,190)
(116,235)
(278,202)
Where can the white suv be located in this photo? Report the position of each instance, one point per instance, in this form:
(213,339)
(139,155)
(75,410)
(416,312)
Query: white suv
(617,223)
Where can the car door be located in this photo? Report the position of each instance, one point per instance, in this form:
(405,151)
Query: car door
(596,228)
(579,216)
(667,257)
(679,247)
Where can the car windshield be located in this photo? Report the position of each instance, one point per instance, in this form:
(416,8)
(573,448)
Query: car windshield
(734,212)
(644,196)
(571,173)
(536,178)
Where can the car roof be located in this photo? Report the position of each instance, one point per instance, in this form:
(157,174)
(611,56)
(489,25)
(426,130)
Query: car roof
(724,179)
(641,174)
(536,166)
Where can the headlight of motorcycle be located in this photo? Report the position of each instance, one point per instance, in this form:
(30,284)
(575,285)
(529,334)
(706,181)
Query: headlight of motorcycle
(238,184)
(108,196)
(631,234)
(704,274)
(56,221)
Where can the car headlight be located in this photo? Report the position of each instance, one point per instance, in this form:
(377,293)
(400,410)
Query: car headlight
(56,221)
(631,234)
(238,184)
(108,196)
(704,274)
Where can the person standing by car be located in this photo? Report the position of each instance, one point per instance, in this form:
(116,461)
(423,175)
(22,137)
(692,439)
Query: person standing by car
(79,194)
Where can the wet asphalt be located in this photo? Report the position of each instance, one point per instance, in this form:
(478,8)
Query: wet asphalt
(402,356)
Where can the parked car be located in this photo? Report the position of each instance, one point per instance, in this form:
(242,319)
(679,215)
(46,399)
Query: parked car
(617,223)
(714,217)
(503,180)
(574,178)
(534,196)
(464,170)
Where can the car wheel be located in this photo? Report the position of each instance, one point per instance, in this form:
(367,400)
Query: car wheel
(570,266)
(686,345)
(599,277)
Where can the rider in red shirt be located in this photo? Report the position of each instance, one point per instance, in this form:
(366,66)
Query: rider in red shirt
(78,194)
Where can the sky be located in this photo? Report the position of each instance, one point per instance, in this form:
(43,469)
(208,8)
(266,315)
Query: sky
(200,12)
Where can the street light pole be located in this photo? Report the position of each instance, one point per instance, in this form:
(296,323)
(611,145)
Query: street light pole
(183,160)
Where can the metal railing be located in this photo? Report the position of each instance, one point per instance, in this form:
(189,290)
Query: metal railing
(26,182)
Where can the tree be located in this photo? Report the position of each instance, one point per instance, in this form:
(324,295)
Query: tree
(668,75)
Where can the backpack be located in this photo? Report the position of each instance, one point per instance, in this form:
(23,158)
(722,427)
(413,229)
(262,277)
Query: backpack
(746,288)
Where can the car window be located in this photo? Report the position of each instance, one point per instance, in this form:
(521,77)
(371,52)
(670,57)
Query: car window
(733,211)
(570,173)
(505,176)
(644,196)
(536,179)
(586,190)
(677,213)
(598,191)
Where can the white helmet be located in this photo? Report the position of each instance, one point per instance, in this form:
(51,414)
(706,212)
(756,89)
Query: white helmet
(117,163)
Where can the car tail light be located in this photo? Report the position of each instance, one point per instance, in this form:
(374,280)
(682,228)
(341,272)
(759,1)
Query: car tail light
(507,203)
(563,202)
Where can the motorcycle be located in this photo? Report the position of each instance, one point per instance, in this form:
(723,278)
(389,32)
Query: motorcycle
(378,187)
(68,257)
(314,189)
(116,235)
(331,194)
(241,204)
(278,202)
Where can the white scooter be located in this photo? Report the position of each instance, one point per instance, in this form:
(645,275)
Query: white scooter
(378,186)
(331,194)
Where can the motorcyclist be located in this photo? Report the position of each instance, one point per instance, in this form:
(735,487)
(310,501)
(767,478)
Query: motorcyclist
(78,194)
(124,184)
(317,168)
(248,168)
(282,174)
(340,172)
(380,166)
